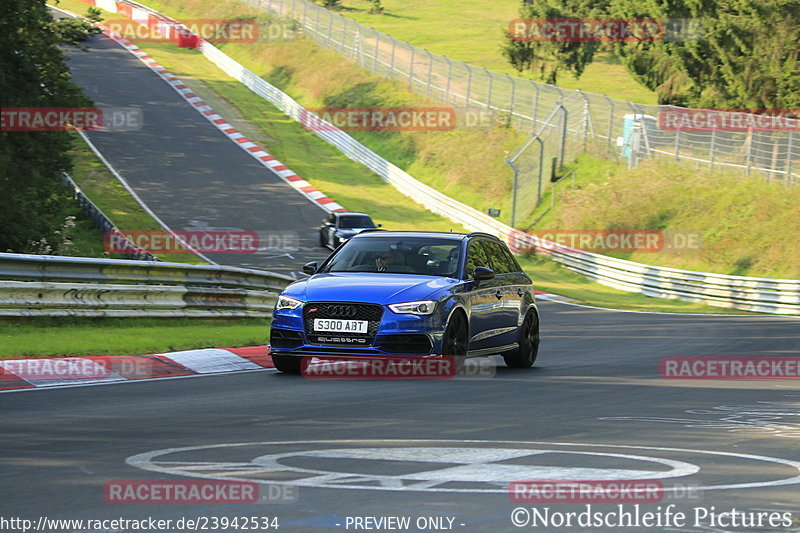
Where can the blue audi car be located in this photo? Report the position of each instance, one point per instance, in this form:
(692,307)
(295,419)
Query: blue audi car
(399,293)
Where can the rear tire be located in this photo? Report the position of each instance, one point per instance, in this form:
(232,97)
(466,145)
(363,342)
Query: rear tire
(322,240)
(288,364)
(455,340)
(525,355)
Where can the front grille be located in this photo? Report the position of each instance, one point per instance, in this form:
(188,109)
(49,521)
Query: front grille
(372,313)
(416,344)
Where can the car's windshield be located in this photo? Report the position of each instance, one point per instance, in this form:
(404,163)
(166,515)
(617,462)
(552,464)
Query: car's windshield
(355,221)
(392,254)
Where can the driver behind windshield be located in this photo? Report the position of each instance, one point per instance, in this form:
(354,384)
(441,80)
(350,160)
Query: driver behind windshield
(383,260)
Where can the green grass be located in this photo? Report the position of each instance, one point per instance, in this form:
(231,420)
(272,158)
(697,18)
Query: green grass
(746,226)
(125,336)
(472,32)
(446,160)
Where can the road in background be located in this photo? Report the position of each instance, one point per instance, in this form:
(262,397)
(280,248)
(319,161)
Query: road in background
(188,172)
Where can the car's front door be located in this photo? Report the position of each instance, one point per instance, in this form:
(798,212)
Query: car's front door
(486,300)
(511,282)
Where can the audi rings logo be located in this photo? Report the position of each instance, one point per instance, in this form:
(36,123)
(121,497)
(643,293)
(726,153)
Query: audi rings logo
(343,311)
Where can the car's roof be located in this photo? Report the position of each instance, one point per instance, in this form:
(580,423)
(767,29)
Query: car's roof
(342,213)
(408,233)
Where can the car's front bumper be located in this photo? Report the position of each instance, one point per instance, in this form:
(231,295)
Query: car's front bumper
(395,335)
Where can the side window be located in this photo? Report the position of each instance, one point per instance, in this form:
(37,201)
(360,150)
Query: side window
(476,256)
(513,265)
(497,259)
(503,259)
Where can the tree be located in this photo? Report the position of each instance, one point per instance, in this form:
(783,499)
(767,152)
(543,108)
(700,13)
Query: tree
(75,30)
(549,56)
(742,54)
(33,73)
(733,54)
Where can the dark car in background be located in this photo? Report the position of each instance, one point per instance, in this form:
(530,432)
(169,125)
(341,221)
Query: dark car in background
(341,226)
(402,293)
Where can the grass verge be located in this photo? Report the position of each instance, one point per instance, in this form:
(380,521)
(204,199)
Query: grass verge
(315,160)
(472,32)
(41,337)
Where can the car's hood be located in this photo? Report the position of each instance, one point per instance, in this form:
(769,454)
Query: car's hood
(382,288)
(350,231)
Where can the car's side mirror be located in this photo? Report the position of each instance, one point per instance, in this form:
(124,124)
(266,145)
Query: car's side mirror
(310,268)
(482,274)
(379,225)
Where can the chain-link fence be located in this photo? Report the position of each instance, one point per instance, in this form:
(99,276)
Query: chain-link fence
(625,129)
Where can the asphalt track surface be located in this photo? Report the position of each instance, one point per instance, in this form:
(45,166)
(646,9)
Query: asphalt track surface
(593,407)
(596,386)
(188,172)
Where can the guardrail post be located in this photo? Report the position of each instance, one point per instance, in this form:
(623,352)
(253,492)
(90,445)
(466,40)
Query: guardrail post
(430,73)
(610,124)
(749,148)
(563,136)
(585,118)
(376,52)
(535,106)
(511,100)
(411,66)
(489,95)
(469,85)
(391,63)
(514,196)
(344,36)
(541,159)
(713,148)
(449,77)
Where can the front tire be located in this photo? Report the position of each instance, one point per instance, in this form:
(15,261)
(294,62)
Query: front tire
(525,355)
(288,364)
(455,340)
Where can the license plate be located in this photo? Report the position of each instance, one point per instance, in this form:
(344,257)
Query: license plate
(340,326)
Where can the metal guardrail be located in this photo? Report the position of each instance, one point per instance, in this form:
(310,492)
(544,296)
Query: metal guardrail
(32,285)
(752,294)
(104,224)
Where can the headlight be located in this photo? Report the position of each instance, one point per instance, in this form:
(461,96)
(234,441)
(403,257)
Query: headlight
(286,302)
(424,307)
